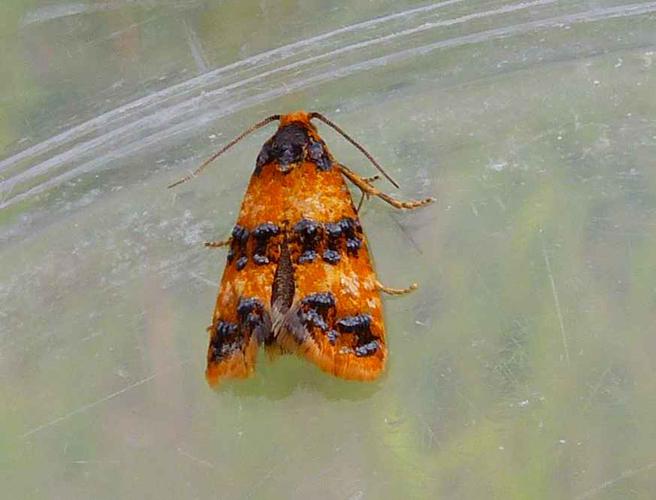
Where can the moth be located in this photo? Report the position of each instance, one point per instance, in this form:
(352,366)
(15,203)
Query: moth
(299,277)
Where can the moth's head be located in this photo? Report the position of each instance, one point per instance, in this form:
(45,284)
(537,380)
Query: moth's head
(299,117)
(296,141)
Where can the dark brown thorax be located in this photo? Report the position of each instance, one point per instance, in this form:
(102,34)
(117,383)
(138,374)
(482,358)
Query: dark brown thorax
(295,141)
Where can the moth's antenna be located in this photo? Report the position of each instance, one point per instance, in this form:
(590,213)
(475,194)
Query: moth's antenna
(253,128)
(314,114)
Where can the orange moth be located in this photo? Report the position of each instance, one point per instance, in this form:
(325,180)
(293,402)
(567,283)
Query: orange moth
(298,277)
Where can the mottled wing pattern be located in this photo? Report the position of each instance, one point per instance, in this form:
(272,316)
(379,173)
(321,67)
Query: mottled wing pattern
(241,320)
(336,320)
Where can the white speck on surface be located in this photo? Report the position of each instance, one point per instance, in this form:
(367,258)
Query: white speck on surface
(497,166)
(474,209)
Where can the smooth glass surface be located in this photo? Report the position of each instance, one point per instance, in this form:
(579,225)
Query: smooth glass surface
(523,367)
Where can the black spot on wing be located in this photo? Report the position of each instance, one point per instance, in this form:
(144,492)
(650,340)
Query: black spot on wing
(319,300)
(353,245)
(331,256)
(360,326)
(240,235)
(248,306)
(367,349)
(352,233)
(316,313)
(333,232)
(228,337)
(308,233)
(225,340)
(254,319)
(258,245)
(307,229)
(332,335)
(312,317)
(262,235)
(238,247)
(241,262)
(307,256)
(331,240)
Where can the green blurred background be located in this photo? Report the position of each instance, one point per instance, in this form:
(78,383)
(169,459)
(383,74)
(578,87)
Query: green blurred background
(523,367)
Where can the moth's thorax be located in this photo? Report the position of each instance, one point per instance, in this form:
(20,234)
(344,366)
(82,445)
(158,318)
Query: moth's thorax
(292,144)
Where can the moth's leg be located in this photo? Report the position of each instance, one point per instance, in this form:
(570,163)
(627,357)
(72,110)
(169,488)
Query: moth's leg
(370,190)
(395,291)
(362,197)
(218,244)
(368,180)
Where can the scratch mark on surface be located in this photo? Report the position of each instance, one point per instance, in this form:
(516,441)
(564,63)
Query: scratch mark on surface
(554,292)
(86,462)
(595,390)
(196,49)
(432,441)
(93,404)
(407,234)
(120,32)
(272,470)
(606,484)
(52,12)
(203,279)
(199,461)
